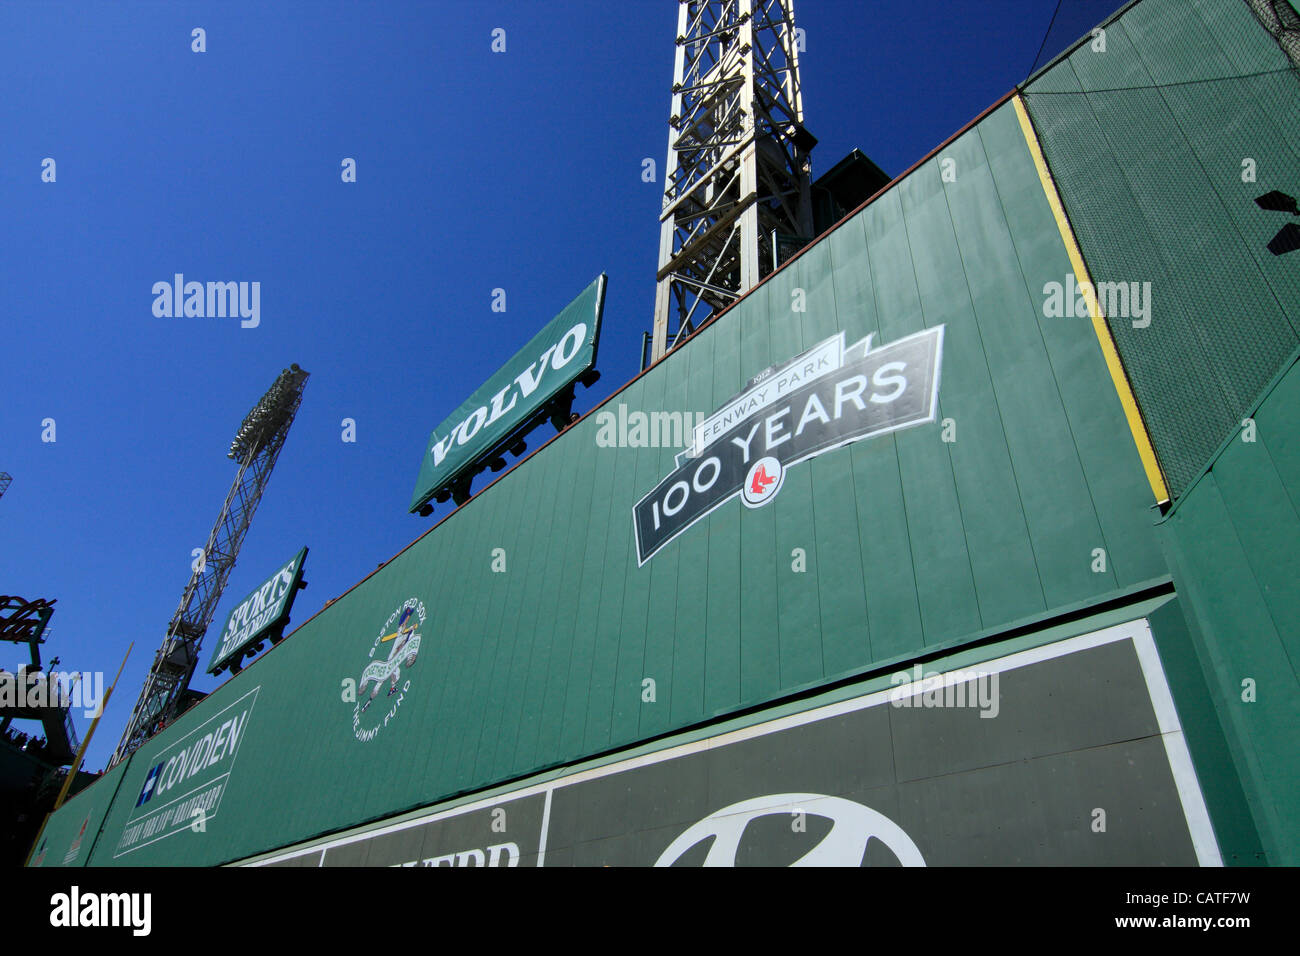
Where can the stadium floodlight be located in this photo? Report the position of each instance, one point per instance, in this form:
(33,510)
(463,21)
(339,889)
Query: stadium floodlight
(269,414)
(256,447)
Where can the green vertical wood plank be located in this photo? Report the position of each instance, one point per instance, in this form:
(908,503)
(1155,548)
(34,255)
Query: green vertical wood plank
(1275,426)
(1215,773)
(1112,469)
(569,557)
(525,558)
(443,593)
(479,636)
(688,667)
(1001,558)
(620,561)
(525,624)
(649,392)
(833,546)
(889,582)
(1268,528)
(531,749)
(1241,642)
(721,624)
(792,510)
(597,520)
(945,587)
(760,651)
(664,570)
(1056,501)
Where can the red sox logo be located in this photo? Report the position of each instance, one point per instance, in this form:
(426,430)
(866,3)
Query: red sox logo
(762,482)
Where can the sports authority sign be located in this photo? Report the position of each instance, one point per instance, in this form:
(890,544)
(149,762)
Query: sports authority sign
(556,357)
(263,611)
(824,398)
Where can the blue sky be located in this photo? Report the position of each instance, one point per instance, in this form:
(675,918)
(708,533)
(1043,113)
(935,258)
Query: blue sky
(475,170)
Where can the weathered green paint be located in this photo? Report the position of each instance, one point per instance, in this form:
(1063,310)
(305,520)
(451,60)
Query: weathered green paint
(1149,143)
(912,543)
(1231,542)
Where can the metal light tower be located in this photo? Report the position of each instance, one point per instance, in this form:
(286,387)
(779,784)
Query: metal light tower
(256,446)
(737,184)
(5,481)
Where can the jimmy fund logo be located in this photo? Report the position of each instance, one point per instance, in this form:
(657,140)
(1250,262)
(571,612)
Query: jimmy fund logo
(401,639)
(829,396)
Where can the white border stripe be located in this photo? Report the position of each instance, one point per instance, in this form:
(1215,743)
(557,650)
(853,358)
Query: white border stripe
(1180,758)
(1137,631)
(546,826)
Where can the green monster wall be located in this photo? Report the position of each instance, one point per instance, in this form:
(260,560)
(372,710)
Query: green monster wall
(911,544)
(1160,143)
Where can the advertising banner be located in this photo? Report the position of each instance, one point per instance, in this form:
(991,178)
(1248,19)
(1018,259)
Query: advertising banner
(556,357)
(258,614)
(183,789)
(1067,754)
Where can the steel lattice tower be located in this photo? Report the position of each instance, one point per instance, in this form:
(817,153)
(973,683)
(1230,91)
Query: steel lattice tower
(5,481)
(737,183)
(256,446)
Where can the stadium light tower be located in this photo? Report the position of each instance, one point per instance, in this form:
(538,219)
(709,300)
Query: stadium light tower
(256,446)
(737,183)
(6,480)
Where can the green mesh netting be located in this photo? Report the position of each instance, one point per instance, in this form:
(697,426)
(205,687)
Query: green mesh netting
(1161,135)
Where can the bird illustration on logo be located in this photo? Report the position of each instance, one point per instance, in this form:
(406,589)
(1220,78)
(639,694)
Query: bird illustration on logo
(405,648)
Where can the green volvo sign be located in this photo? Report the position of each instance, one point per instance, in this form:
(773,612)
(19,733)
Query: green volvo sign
(259,615)
(513,398)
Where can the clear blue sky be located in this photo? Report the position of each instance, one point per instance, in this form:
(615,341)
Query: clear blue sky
(476,171)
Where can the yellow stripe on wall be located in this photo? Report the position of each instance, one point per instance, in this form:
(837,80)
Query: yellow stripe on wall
(1140,437)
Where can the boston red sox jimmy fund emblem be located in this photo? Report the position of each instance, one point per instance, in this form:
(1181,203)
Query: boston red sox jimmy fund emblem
(395,649)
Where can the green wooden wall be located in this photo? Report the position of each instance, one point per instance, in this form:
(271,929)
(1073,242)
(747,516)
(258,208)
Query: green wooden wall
(911,542)
(1232,544)
(89,807)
